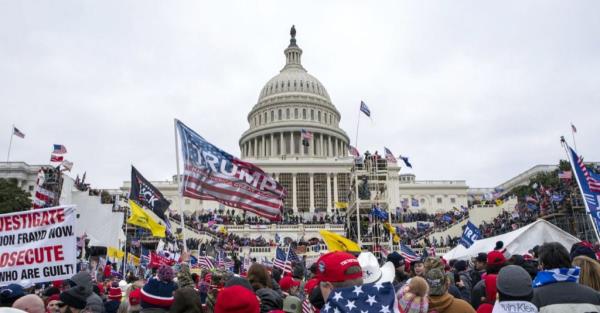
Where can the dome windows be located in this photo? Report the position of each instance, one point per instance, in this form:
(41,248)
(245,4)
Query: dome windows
(279,115)
(296,113)
(319,116)
(287,113)
(303,114)
(272,115)
(312,114)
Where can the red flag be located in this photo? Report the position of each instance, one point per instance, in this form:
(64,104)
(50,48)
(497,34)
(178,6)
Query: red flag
(56,158)
(158,260)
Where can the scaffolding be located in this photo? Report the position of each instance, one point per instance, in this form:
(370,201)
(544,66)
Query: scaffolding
(369,189)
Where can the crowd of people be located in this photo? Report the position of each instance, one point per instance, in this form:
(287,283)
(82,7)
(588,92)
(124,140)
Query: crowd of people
(548,278)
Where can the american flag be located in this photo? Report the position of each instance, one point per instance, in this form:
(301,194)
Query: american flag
(389,156)
(292,256)
(206,262)
(223,261)
(565,175)
(374,297)
(354,152)
(194,262)
(307,307)
(18,133)
(408,254)
(56,158)
(592,179)
(59,149)
(213,174)
(307,134)
(281,261)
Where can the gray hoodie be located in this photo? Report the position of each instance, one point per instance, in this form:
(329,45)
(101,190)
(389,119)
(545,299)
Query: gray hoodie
(94,302)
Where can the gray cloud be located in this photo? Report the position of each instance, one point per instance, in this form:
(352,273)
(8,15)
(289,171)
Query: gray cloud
(469,90)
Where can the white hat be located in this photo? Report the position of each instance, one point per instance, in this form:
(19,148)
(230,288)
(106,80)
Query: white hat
(371,270)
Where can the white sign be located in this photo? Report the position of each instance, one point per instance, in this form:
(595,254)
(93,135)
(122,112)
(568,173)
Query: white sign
(38,245)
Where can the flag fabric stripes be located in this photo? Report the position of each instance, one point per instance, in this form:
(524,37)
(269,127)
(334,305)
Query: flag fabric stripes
(56,158)
(565,175)
(307,307)
(354,152)
(206,262)
(281,261)
(591,180)
(292,256)
(408,254)
(18,133)
(59,149)
(389,156)
(213,174)
(365,109)
(308,135)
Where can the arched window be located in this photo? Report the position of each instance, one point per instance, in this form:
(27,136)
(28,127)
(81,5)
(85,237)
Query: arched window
(279,114)
(272,115)
(265,117)
(319,116)
(303,113)
(312,115)
(259,119)
(287,113)
(296,113)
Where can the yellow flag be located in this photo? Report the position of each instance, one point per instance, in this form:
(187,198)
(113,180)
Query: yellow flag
(337,242)
(396,238)
(115,253)
(133,259)
(139,217)
(341,205)
(499,202)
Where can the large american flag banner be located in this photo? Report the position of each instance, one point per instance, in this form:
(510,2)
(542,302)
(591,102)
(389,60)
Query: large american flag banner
(389,156)
(408,254)
(213,174)
(589,184)
(282,261)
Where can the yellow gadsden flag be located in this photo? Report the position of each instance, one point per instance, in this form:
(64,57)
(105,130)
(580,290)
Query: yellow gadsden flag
(341,205)
(499,202)
(337,242)
(115,253)
(139,217)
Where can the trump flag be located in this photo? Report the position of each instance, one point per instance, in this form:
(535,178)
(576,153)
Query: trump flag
(213,174)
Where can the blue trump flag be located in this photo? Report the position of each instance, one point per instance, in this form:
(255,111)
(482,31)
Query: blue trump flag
(379,213)
(589,185)
(470,235)
(422,227)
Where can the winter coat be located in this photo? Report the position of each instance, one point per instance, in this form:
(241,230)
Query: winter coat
(465,292)
(186,300)
(566,297)
(269,300)
(111,306)
(446,303)
(477,293)
(153,310)
(94,302)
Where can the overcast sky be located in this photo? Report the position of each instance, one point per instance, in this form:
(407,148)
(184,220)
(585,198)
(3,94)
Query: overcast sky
(467,89)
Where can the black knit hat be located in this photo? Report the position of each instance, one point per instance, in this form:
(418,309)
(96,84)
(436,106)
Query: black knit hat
(75,297)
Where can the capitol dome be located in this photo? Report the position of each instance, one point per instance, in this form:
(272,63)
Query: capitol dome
(290,102)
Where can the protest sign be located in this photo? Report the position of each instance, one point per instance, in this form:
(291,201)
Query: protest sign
(470,235)
(37,245)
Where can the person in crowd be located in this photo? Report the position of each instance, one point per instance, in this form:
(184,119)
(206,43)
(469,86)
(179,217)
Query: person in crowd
(261,282)
(74,300)
(94,302)
(582,248)
(589,273)
(417,268)
(157,294)
(435,262)
(114,298)
(235,299)
(292,304)
(412,298)
(556,287)
(485,290)
(479,265)
(52,303)
(338,270)
(514,291)
(135,299)
(30,303)
(462,279)
(440,300)
(9,294)
(401,276)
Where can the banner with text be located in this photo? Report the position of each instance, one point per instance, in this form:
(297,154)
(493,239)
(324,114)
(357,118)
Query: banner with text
(38,245)
(470,235)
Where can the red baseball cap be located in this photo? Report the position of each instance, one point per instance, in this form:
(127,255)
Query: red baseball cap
(332,267)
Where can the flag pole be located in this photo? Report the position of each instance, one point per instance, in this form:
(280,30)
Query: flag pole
(179,186)
(573,135)
(587,208)
(12,134)
(357,124)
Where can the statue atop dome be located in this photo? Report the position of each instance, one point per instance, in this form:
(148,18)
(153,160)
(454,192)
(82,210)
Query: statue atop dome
(293,35)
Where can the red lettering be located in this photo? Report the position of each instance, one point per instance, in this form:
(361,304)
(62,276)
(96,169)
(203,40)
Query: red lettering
(13,259)
(60,216)
(20,257)
(28,256)
(58,253)
(44,220)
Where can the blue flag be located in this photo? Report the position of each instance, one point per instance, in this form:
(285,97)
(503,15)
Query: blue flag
(405,160)
(470,235)
(365,109)
(589,185)
(422,227)
(379,213)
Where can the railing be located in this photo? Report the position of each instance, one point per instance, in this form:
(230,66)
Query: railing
(198,232)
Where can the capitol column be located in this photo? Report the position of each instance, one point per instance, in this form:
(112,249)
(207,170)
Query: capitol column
(292,144)
(312,193)
(272,152)
(321,145)
(294,194)
(335,189)
(255,147)
(281,144)
(330,149)
(328,193)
